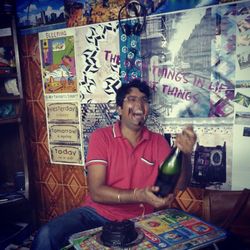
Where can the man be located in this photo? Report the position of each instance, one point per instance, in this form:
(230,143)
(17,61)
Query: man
(122,162)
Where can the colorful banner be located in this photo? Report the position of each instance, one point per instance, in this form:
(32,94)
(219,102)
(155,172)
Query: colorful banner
(130,50)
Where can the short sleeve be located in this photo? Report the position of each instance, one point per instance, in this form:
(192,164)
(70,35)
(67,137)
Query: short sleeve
(97,149)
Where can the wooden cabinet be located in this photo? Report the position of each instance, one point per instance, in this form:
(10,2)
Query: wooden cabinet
(14,178)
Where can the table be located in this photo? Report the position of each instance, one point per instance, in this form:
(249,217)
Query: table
(165,229)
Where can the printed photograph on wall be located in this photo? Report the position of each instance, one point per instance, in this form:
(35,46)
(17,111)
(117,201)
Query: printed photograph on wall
(241,157)
(176,55)
(82,12)
(243,45)
(157,7)
(223,62)
(241,139)
(189,60)
(34,16)
(58,62)
(241,128)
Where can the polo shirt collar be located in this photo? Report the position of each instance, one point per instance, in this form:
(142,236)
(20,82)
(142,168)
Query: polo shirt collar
(117,131)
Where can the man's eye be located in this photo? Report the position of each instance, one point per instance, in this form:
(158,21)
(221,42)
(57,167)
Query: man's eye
(133,99)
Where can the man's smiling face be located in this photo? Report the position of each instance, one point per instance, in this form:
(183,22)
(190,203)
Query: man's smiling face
(135,109)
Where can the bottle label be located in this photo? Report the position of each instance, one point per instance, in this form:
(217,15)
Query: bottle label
(166,183)
(166,177)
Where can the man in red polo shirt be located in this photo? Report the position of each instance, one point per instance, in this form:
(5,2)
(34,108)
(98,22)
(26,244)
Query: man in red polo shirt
(123,159)
(122,163)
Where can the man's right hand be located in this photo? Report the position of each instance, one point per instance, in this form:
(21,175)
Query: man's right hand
(147,195)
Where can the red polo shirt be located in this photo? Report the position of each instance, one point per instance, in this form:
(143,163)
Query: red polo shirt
(127,167)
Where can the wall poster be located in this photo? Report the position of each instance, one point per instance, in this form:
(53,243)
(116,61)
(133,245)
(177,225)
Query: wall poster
(37,16)
(61,96)
(179,60)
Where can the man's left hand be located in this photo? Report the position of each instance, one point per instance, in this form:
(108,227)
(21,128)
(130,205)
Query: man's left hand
(186,140)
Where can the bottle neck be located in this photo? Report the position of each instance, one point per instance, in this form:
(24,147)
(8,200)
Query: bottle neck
(177,150)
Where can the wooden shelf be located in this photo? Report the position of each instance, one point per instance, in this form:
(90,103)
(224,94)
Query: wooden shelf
(8,75)
(11,198)
(10,120)
(10,98)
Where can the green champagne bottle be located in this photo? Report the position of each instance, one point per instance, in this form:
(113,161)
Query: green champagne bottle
(169,173)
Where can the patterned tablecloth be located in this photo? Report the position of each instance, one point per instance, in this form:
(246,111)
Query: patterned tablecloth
(165,229)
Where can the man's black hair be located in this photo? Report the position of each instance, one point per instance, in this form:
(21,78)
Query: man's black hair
(126,89)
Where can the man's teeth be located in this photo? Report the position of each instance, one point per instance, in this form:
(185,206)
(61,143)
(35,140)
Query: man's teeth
(138,113)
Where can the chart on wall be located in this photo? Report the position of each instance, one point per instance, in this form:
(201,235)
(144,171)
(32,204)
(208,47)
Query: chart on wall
(58,62)
(189,59)
(58,67)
